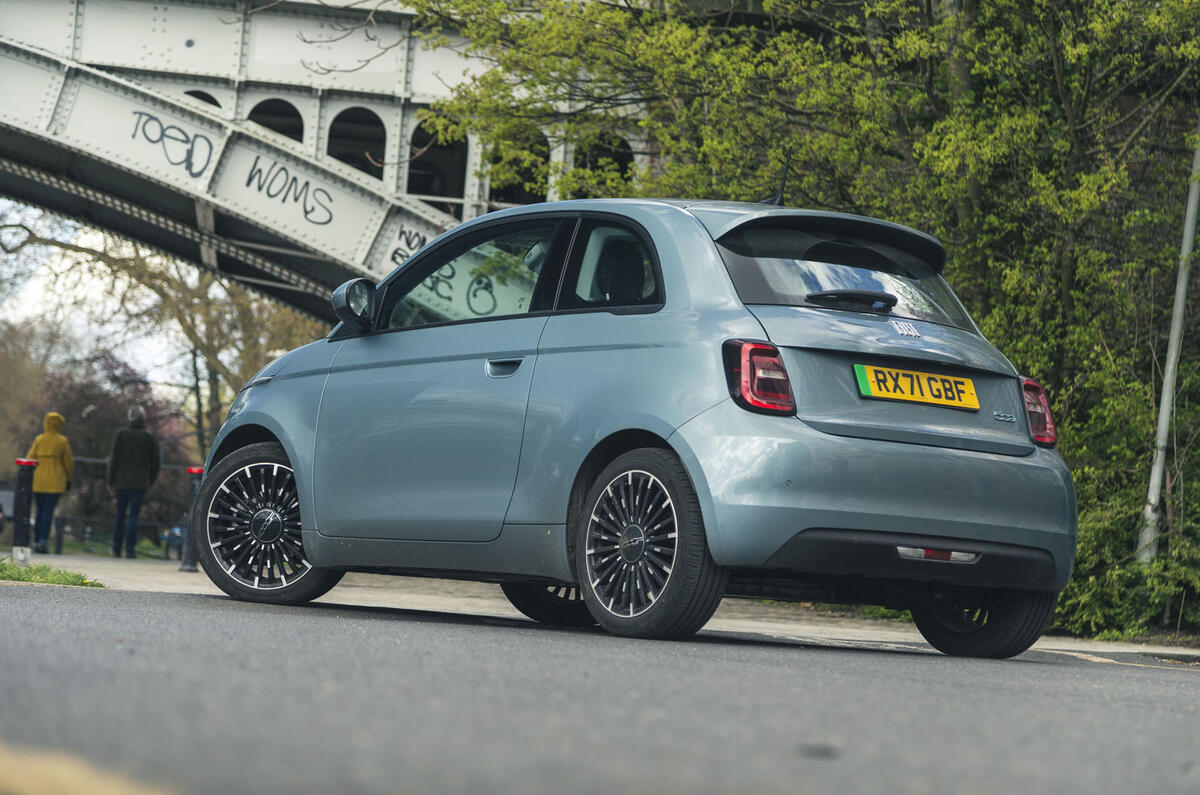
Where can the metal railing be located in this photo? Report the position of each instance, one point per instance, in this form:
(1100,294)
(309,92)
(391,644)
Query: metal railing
(174,535)
(95,533)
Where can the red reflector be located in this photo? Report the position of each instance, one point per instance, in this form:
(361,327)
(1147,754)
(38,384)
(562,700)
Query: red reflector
(26,462)
(937,554)
(195,470)
(758,379)
(1037,408)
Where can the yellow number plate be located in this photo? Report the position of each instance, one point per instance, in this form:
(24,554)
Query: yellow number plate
(886,383)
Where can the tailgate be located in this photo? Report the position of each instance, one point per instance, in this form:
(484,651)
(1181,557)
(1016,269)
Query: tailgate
(866,375)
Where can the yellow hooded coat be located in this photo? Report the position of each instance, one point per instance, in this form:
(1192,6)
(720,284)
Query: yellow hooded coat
(56,465)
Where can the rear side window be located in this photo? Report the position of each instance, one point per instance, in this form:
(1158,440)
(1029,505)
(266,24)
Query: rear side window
(789,266)
(610,267)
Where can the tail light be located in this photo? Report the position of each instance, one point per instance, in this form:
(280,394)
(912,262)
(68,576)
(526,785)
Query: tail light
(758,380)
(1037,406)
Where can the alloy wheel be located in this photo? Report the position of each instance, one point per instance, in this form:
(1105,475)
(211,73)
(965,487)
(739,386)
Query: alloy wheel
(567,593)
(632,541)
(254,527)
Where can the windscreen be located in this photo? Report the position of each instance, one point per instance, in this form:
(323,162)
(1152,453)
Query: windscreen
(791,267)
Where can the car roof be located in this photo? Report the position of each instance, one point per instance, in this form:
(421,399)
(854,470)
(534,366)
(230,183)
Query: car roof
(720,218)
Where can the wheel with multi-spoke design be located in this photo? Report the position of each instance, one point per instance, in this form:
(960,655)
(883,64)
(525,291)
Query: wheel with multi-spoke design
(996,624)
(560,605)
(640,550)
(246,526)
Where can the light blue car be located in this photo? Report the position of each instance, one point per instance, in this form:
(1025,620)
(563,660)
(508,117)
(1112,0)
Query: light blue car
(624,410)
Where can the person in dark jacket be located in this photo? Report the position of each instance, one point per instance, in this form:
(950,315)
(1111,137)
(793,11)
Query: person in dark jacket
(55,468)
(132,468)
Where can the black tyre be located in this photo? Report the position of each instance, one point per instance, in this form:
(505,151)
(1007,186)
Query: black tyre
(246,523)
(640,550)
(559,605)
(997,624)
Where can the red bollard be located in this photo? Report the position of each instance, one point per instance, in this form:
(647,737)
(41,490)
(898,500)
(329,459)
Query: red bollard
(22,503)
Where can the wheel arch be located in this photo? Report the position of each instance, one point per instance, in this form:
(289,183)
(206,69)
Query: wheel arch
(257,426)
(240,437)
(605,451)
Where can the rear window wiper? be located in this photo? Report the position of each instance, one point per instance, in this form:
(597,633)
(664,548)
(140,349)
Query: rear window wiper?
(876,298)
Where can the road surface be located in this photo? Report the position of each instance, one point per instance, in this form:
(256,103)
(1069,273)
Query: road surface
(199,693)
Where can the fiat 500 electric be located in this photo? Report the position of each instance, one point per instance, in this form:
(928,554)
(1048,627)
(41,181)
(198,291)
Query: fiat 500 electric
(624,410)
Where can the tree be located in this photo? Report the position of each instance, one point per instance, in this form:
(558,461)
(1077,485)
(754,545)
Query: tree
(47,370)
(223,332)
(93,391)
(23,357)
(1046,143)
(16,267)
(231,331)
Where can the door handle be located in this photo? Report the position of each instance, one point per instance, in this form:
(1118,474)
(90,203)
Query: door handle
(502,368)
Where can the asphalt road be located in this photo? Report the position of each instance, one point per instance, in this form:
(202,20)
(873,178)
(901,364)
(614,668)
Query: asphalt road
(204,694)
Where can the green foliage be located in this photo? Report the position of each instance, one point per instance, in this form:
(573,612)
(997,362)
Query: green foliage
(1047,143)
(43,574)
(502,267)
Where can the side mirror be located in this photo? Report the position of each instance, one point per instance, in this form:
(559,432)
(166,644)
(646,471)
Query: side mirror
(352,303)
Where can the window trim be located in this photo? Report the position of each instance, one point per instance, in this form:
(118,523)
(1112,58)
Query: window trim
(560,244)
(647,241)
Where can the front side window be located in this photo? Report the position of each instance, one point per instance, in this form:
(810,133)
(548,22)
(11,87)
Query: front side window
(493,273)
(794,267)
(610,267)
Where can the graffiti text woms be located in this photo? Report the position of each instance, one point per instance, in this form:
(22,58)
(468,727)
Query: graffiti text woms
(193,151)
(279,183)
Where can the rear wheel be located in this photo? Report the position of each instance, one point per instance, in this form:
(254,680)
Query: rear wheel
(640,549)
(995,624)
(246,522)
(559,605)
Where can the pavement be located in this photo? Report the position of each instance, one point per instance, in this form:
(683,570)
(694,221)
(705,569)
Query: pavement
(776,620)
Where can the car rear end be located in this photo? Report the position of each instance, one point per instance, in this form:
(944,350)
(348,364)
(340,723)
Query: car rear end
(876,445)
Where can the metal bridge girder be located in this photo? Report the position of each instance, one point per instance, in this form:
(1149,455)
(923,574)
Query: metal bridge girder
(73,130)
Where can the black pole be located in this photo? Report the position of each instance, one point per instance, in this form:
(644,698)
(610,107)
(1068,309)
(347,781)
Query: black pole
(59,521)
(22,503)
(187,555)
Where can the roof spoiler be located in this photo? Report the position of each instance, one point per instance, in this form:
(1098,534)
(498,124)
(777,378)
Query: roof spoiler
(919,244)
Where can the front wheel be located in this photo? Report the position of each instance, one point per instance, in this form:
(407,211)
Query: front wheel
(996,624)
(246,522)
(640,549)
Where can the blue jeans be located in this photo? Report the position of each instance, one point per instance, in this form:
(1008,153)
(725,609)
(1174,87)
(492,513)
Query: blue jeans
(45,516)
(131,500)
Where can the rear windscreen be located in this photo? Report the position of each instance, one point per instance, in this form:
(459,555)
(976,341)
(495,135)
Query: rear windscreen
(786,266)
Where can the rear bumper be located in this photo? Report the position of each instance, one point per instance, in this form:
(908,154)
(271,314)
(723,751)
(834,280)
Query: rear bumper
(876,556)
(778,494)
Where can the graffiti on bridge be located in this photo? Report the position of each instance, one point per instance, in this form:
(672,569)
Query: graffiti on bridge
(408,242)
(277,182)
(441,282)
(192,151)
(480,292)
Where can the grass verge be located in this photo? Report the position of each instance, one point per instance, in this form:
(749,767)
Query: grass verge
(43,574)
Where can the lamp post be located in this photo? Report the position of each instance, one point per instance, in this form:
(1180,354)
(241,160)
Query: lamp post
(1147,546)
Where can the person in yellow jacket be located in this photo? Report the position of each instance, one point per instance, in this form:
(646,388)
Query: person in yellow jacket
(55,470)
